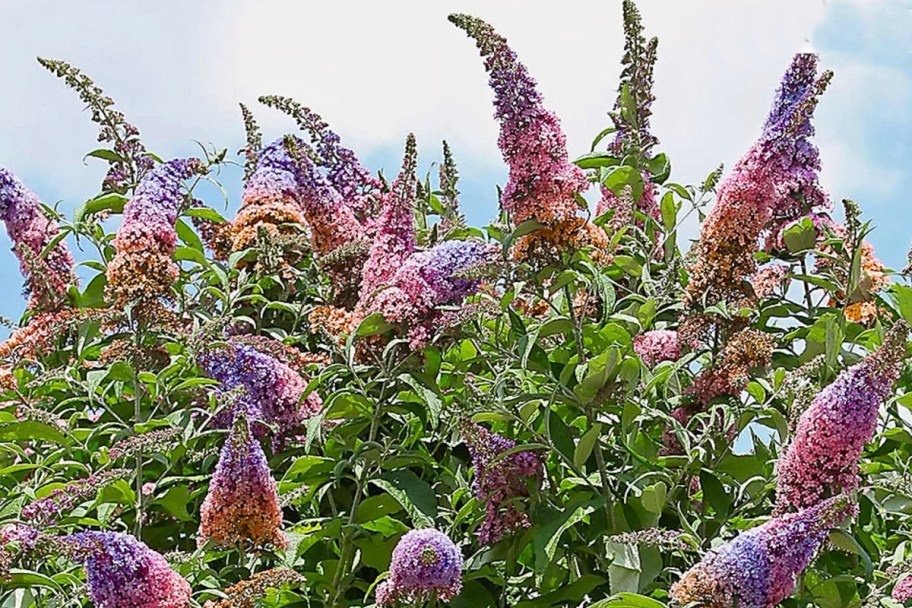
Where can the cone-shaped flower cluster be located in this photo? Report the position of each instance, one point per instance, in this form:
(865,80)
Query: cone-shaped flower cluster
(394,240)
(143,271)
(331,218)
(656,346)
(428,279)
(425,565)
(781,165)
(123,572)
(270,199)
(822,459)
(499,484)
(758,568)
(242,506)
(270,391)
(47,276)
(543,184)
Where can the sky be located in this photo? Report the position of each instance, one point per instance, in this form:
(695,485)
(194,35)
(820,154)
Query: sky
(377,71)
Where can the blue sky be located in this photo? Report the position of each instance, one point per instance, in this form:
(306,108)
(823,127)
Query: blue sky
(178,69)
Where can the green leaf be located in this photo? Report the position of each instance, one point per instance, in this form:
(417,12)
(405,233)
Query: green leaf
(800,236)
(187,235)
(715,493)
(93,295)
(627,600)
(373,325)
(594,160)
(206,213)
(653,498)
(413,493)
(175,502)
(586,443)
(109,202)
(31,430)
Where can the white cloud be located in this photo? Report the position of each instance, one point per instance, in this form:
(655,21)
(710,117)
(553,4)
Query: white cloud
(863,96)
(379,70)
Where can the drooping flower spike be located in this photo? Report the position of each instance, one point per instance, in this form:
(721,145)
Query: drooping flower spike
(143,271)
(123,572)
(269,391)
(426,565)
(395,238)
(758,568)
(822,459)
(345,173)
(543,184)
(500,482)
(48,274)
(781,165)
(242,506)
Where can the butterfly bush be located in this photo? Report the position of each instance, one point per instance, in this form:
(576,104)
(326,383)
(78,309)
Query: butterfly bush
(656,346)
(822,458)
(242,506)
(779,166)
(429,279)
(902,591)
(356,185)
(270,391)
(123,572)
(48,274)
(425,565)
(143,271)
(395,239)
(270,200)
(543,184)
(758,568)
(500,481)
(635,379)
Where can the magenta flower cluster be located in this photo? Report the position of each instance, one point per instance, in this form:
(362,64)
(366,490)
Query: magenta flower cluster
(902,591)
(49,277)
(543,184)
(427,280)
(500,484)
(123,572)
(822,459)
(270,391)
(394,239)
(758,568)
(656,346)
(426,565)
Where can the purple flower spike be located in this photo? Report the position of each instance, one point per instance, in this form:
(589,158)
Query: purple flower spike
(47,279)
(822,459)
(124,573)
(758,568)
(498,484)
